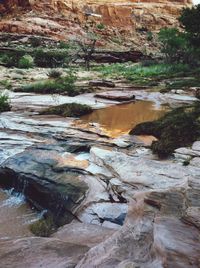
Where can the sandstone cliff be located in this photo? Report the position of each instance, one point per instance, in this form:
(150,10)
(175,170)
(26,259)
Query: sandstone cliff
(65,17)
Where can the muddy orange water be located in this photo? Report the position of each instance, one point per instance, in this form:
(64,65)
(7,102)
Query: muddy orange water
(120,119)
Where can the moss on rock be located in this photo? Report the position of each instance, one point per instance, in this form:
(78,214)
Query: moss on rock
(44,227)
(178,128)
(68,110)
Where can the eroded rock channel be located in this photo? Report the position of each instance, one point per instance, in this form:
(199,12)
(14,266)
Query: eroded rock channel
(123,206)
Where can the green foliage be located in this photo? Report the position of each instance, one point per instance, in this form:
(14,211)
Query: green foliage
(183,46)
(64,45)
(6,84)
(43,227)
(11,59)
(190,20)
(51,58)
(178,128)
(26,62)
(69,110)
(4,103)
(184,83)
(149,36)
(54,73)
(62,85)
(100,26)
(174,44)
(143,75)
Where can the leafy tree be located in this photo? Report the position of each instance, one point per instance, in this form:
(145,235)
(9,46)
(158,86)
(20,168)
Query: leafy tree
(190,20)
(174,44)
(183,46)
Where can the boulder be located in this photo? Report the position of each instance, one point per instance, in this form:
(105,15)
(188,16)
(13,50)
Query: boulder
(47,179)
(196,146)
(101,83)
(116,95)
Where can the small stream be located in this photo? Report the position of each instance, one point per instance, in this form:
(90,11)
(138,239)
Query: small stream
(15,215)
(120,119)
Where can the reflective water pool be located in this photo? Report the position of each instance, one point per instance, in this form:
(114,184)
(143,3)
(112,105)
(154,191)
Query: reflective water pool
(120,119)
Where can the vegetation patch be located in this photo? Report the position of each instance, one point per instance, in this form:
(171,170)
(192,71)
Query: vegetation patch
(54,73)
(144,75)
(4,103)
(50,58)
(69,110)
(6,84)
(62,85)
(25,58)
(178,128)
(26,62)
(184,83)
(43,227)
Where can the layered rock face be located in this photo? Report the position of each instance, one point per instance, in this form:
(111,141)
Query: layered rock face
(119,17)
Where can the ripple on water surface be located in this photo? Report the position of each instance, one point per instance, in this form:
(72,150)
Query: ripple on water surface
(120,119)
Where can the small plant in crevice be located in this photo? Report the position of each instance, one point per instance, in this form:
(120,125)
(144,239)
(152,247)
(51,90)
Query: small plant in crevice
(6,84)
(54,73)
(43,227)
(186,162)
(4,103)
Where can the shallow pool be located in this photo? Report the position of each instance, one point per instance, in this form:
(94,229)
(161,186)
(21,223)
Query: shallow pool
(120,119)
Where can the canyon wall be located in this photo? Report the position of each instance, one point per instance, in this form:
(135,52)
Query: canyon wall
(59,18)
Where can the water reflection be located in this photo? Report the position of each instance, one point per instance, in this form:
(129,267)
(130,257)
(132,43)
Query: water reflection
(120,119)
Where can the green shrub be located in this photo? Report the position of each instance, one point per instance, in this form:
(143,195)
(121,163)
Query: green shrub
(149,36)
(190,20)
(51,58)
(26,62)
(178,128)
(143,75)
(184,83)
(174,44)
(10,60)
(54,73)
(4,103)
(64,45)
(6,84)
(68,110)
(100,26)
(63,85)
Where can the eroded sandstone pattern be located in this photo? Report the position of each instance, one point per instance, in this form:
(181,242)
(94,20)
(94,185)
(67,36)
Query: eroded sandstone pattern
(64,18)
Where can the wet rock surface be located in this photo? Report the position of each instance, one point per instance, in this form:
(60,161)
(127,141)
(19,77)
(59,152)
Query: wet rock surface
(40,252)
(46,181)
(130,209)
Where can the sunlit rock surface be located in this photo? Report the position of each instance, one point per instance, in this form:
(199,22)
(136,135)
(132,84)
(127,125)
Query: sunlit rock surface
(131,209)
(66,18)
